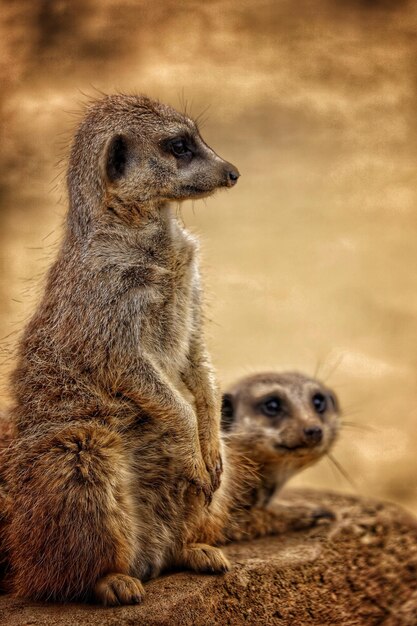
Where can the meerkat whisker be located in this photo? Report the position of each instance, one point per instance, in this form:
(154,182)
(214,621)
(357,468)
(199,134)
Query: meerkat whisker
(319,365)
(333,368)
(364,427)
(341,470)
(202,118)
(354,409)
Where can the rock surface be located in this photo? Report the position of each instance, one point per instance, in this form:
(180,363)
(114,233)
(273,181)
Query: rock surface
(359,570)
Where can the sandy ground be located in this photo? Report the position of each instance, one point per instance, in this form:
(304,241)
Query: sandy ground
(357,571)
(310,262)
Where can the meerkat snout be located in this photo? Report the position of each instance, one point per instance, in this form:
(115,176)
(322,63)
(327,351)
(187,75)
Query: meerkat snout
(313,435)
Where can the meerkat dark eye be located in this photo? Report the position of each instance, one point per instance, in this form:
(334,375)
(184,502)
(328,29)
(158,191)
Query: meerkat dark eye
(271,407)
(319,403)
(179,148)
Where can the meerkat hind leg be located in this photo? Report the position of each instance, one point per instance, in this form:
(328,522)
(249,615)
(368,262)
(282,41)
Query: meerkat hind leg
(205,559)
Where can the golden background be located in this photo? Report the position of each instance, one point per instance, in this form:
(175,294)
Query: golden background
(309,263)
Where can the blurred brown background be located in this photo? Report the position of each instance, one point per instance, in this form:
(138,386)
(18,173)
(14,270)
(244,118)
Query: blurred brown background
(310,262)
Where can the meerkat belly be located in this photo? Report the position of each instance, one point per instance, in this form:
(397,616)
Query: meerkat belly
(158,497)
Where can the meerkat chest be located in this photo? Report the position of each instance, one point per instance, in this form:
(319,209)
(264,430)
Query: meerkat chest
(171,318)
(178,320)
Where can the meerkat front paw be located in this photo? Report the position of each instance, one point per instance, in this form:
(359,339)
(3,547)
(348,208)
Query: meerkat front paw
(118,589)
(204,559)
(215,469)
(196,474)
(214,462)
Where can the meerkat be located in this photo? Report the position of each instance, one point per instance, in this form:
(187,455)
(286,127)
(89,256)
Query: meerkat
(114,395)
(274,425)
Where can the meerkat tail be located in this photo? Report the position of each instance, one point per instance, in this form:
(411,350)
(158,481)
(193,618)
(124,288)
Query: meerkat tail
(72,520)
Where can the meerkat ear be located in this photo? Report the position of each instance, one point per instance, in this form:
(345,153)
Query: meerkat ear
(228,412)
(116,156)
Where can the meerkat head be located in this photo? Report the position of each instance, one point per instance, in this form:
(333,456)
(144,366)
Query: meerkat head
(285,420)
(133,153)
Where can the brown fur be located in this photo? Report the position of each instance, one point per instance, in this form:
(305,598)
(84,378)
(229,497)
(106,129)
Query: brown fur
(115,400)
(263,452)
(7,435)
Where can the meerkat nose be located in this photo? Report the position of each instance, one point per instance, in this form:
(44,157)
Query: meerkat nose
(313,435)
(232,176)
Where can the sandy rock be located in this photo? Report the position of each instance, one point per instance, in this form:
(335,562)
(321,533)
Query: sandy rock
(359,570)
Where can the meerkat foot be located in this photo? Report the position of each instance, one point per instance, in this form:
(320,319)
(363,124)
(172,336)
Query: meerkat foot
(205,559)
(303,517)
(310,517)
(118,589)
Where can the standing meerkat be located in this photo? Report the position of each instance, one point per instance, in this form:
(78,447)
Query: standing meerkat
(274,426)
(112,360)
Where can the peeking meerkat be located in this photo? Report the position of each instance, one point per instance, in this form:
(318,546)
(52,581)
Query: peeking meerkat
(274,425)
(113,392)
